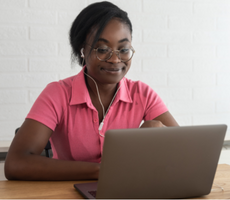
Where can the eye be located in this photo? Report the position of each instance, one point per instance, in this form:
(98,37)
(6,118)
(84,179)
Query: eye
(124,50)
(103,50)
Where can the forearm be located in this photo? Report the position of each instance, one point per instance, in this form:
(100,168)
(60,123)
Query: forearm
(36,167)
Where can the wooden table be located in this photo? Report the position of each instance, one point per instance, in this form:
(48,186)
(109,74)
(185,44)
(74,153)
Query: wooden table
(65,189)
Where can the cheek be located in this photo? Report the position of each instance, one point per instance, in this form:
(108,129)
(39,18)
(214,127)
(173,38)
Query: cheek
(128,64)
(90,59)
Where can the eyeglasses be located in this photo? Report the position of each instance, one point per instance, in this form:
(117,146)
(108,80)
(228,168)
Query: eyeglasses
(104,53)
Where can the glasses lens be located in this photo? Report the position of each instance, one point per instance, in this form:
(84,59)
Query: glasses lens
(103,53)
(126,54)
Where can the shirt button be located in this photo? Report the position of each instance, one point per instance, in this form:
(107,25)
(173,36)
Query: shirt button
(95,120)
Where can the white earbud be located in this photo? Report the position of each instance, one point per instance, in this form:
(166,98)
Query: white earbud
(82,54)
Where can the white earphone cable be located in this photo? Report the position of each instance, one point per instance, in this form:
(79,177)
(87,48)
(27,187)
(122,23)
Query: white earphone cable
(99,98)
(104,114)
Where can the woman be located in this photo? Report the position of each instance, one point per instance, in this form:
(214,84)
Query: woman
(76,112)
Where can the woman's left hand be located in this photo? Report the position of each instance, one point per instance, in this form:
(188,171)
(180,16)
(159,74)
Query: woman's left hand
(165,119)
(152,123)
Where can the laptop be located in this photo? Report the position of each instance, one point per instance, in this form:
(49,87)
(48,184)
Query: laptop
(172,162)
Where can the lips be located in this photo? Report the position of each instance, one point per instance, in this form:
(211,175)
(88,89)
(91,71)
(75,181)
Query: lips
(112,69)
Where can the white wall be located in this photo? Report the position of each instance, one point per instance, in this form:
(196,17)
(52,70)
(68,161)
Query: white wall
(182,52)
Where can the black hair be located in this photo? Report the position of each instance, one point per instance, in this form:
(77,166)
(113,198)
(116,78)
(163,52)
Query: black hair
(96,15)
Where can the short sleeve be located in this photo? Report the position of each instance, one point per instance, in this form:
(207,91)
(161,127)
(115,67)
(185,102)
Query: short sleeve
(154,105)
(49,106)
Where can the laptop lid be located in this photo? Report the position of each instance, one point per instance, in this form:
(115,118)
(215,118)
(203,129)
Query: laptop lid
(172,162)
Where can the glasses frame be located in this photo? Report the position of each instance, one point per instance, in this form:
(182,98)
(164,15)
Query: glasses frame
(117,52)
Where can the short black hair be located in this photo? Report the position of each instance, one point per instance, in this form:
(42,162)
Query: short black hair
(96,15)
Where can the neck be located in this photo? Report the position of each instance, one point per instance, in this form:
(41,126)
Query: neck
(105,90)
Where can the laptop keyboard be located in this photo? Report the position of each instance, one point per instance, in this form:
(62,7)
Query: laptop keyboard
(93,193)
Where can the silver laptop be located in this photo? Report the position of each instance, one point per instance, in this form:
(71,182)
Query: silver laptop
(172,162)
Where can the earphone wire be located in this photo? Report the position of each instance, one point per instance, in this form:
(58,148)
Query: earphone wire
(98,94)
(99,98)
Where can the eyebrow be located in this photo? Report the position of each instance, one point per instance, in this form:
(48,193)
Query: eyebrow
(120,41)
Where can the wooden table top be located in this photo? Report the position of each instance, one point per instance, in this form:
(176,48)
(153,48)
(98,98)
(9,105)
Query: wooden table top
(66,190)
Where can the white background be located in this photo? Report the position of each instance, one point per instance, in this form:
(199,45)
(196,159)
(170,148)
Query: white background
(182,52)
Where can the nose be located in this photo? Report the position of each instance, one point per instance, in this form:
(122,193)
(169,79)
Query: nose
(114,57)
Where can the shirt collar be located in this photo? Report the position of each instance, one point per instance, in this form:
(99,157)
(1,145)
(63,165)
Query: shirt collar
(80,92)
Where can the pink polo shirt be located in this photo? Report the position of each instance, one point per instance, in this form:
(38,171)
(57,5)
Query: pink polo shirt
(66,108)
